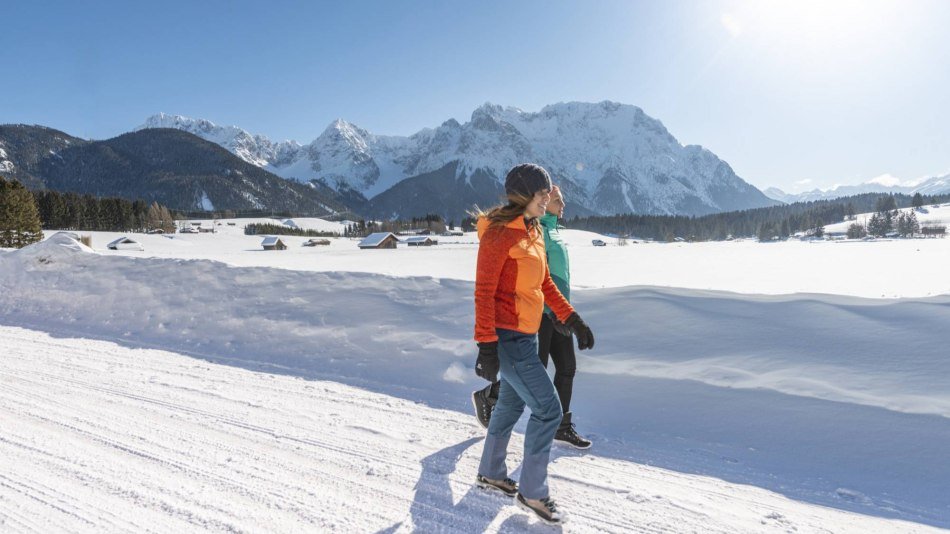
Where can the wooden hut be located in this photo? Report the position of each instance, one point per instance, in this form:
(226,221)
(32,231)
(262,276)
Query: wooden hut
(379,240)
(273,242)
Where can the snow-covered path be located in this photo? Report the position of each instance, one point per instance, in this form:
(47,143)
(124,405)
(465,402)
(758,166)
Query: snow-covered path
(831,400)
(101,437)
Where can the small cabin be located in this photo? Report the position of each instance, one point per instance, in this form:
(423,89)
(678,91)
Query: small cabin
(421,241)
(316,242)
(379,240)
(933,231)
(273,243)
(125,243)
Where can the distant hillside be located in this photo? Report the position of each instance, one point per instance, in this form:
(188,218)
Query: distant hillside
(933,185)
(23,147)
(778,221)
(170,166)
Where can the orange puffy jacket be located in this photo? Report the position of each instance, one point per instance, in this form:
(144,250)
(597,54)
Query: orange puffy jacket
(512,282)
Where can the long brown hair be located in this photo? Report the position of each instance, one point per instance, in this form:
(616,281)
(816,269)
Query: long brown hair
(521,184)
(503,214)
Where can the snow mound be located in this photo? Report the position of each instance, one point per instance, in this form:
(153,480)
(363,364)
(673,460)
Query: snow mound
(60,247)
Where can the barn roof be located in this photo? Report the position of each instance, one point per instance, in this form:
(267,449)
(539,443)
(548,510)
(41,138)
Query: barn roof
(123,240)
(375,239)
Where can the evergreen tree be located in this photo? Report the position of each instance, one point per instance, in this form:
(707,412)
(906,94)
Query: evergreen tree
(907,224)
(885,203)
(879,224)
(785,229)
(820,229)
(856,231)
(19,217)
(849,212)
(167,221)
(153,218)
(140,214)
(918,201)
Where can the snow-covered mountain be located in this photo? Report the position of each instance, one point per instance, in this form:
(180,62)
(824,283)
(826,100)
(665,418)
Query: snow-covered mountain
(609,157)
(935,185)
(255,149)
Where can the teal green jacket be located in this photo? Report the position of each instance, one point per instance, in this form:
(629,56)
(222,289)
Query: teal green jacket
(558,262)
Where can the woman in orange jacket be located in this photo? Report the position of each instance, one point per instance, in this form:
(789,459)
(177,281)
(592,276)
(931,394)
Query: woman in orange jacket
(512,286)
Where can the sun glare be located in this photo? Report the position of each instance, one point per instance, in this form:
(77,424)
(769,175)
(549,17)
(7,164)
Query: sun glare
(813,27)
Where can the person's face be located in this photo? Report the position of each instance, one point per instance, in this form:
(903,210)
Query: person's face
(538,204)
(556,206)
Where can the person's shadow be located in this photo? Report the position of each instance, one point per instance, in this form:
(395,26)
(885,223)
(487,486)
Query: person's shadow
(432,508)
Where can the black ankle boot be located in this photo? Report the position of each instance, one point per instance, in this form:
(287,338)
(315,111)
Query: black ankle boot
(484,404)
(566,434)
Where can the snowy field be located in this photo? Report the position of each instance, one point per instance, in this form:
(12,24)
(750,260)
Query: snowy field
(735,387)
(890,268)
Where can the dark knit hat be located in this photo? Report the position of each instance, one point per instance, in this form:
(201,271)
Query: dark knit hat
(527,179)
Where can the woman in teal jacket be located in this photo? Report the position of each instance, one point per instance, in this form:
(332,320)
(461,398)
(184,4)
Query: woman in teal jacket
(554,339)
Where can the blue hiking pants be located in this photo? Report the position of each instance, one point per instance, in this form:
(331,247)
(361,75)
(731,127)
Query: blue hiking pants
(524,381)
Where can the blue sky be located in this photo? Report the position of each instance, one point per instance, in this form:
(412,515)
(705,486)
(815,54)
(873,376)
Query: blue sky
(791,94)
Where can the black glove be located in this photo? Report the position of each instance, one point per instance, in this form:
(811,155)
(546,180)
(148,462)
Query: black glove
(585,338)
(560,327)
(486,365)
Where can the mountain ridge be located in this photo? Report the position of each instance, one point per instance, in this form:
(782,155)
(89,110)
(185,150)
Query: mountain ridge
(612,157)
(932,185)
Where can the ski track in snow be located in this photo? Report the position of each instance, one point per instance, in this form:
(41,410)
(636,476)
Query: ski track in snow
(100,437)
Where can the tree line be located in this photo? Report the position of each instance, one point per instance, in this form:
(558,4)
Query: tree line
(72,211)
(280,229)
(24,214)
(773,222)
(430,222)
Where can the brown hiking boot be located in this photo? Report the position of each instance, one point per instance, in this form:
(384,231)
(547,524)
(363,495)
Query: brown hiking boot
(544,508)
(507,486)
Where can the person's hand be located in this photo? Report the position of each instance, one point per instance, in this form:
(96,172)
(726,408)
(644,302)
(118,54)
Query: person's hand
(486,365)
(560,327)
(585,338)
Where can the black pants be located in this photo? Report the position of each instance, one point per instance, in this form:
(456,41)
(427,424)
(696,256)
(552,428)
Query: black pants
(560,348)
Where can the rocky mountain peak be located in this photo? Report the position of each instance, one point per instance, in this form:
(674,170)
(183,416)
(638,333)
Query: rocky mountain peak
(601,151)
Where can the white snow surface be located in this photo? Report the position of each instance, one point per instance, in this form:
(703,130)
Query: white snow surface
(102,437)
(206,384)
(742,266)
